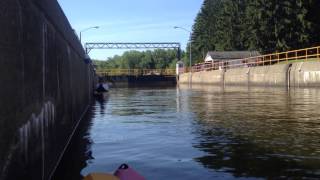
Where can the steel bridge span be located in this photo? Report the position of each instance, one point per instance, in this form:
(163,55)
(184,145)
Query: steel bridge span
(134,45)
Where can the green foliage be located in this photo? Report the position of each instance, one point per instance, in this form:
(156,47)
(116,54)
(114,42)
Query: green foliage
(157,59)
(263,25)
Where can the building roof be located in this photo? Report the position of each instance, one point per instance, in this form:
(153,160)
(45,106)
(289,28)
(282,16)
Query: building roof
(227,55)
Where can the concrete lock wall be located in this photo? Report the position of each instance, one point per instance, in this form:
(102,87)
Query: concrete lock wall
(205,77)
(305,74)
(45,87)
(301,74)
(257,76)
(184,78)
(275,75)
(213,77)
(237,77)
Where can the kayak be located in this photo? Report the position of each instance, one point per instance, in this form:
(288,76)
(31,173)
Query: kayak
(124,172)
(100,176)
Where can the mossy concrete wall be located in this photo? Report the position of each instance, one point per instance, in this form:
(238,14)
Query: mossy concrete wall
(45,87)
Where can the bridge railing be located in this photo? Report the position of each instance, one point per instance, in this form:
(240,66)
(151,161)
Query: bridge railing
(136,72)
(307,54)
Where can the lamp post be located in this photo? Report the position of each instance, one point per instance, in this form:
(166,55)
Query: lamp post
(190,51)
(82,31)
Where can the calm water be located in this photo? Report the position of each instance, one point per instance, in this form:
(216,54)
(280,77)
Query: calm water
(203,133)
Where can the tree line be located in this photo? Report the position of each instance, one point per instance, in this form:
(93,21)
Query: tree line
(263,25)
(156,59)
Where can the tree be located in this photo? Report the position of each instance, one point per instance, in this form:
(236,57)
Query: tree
(264,25)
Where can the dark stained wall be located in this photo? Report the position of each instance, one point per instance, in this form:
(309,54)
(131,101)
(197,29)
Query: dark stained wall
(45,87)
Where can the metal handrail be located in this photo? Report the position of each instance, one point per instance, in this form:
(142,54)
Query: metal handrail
(262,60)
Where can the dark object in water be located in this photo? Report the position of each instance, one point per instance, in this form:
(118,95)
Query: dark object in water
(101,88)
(100,95)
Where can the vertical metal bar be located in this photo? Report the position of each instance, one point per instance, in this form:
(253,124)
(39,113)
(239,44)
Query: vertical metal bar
(212,65)
(270,59)
(306,54)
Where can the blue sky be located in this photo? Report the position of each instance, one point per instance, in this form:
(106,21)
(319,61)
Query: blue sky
(131,21)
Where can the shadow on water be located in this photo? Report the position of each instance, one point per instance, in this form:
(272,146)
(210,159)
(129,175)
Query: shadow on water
(258,132)
(79,152)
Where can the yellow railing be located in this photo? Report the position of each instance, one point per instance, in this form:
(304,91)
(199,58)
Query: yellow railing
(136,72)
(307,54)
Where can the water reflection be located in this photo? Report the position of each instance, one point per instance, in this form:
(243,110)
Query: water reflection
(258,132)
(102,101)
(79,153)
